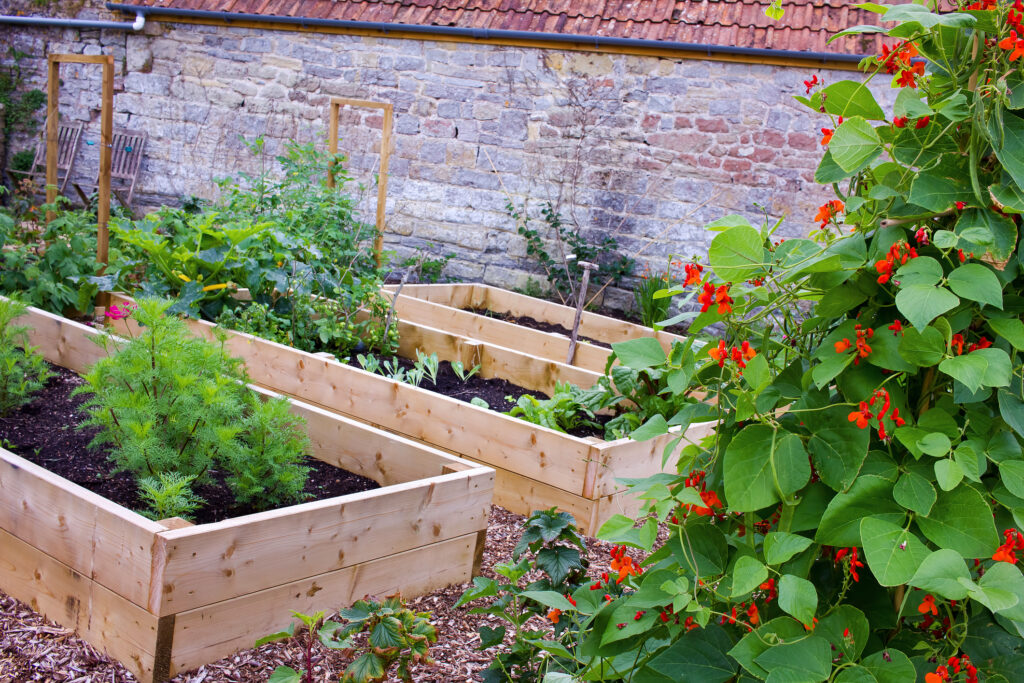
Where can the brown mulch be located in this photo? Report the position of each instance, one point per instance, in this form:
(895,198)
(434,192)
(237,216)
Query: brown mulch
(33,648)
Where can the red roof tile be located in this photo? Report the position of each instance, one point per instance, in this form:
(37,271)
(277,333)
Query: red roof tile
(806,26)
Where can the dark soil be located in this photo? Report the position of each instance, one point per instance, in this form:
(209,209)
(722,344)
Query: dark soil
(500,395)
(44,432)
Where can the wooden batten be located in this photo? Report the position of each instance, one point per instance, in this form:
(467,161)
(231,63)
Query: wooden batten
(94,537)
(415,571)
(109,621)
(215,562)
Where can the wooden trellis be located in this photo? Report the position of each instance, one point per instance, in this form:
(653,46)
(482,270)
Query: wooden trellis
(385,152)
(106,137)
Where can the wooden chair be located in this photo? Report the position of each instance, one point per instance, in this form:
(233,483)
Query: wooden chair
(68,138)
(127,148)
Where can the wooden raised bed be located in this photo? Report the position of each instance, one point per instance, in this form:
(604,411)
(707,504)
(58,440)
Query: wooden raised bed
(446,307)
(536,467)
(166,597)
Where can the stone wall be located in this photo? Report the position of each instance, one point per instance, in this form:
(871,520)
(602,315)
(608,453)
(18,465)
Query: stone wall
(643,148)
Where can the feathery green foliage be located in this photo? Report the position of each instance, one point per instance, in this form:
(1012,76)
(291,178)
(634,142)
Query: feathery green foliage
(22,371)
(169,402)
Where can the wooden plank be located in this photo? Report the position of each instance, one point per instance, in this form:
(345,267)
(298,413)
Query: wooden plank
(79,59)
(509,361)
(593,325)
(103,179)
(62,341)
(463,428)
(215,562)
(90,534)
(104,619)
(524,340)
(382,456)
(199,636)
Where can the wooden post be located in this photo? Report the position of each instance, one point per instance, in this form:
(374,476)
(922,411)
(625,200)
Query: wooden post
(385,154)
(382,180)
(332,143)
(106,139)
(584,283)
(52,128)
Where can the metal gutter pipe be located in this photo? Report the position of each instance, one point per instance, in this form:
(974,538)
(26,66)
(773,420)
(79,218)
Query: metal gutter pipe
(486,34)
(137,25)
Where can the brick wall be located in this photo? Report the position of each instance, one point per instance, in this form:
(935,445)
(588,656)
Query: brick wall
(646,149)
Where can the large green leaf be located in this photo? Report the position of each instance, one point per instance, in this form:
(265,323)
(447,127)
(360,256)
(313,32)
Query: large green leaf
(697,657)
(761,466)
(798,598)
(890,666)
(1010,329)
(780,546)
(747,574)
(756,642)
(851,98)
(1006,577)
(1012,474)
(997,371)
(847,629)
(922,348)
(807,660)
(921,304)
(1008,144)
(914,492)
(1002,232)
(962,521)
(976,282)
(640,353)
(940,573)
(737,254)
(938,193)
(870,496)
(838,447)
(854,143)
(893,553)
(968,369)
(705,544)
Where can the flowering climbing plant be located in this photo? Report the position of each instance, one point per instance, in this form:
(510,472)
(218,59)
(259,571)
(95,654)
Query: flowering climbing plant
(856,514)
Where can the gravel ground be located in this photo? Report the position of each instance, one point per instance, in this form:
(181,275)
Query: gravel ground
(33,648)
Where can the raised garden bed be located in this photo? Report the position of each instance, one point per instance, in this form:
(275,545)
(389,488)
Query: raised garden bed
(536,467)
(168,596)
(451,307)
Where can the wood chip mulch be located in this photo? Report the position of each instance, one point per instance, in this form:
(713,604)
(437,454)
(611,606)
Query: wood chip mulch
(33,648)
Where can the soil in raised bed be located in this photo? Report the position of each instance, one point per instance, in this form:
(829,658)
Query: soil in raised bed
(534,324)
(45,432)
(500,395)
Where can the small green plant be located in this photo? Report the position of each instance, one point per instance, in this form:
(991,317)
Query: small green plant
(326,632)
(428,365)
(562,269)
(550,544)
(394,634)
(168,402)
(460,370)
(22,371)
(562,412)
(169,494)
(425,267)
(652,295)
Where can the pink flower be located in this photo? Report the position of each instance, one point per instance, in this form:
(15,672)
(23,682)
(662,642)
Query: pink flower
(116,313)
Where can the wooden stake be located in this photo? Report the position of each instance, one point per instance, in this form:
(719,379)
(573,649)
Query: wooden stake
(332,144)
(52,128)
(584,283)
(382,180)
(106,139)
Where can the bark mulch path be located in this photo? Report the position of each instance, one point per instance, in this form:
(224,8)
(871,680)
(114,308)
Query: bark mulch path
(35,649)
